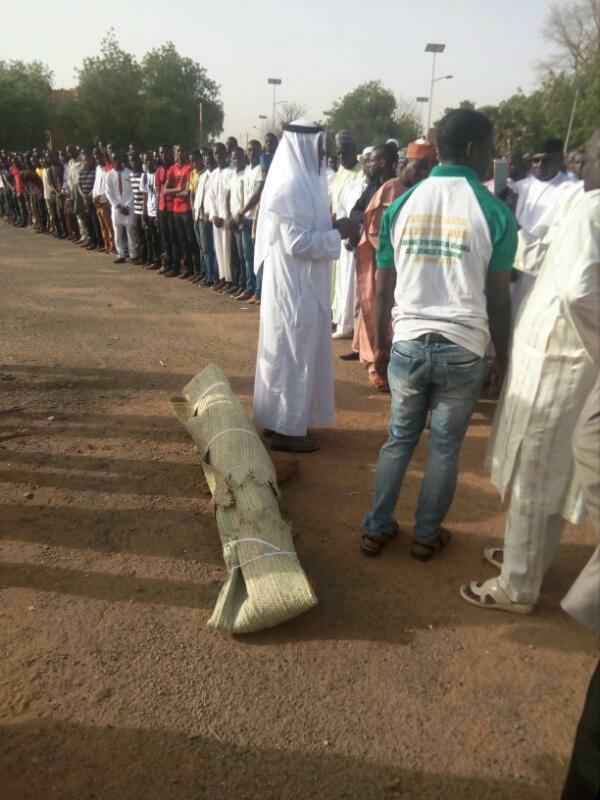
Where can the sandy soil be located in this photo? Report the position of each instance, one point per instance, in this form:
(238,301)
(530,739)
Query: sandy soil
(112,688)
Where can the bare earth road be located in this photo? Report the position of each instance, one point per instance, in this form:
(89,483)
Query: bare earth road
(111,686)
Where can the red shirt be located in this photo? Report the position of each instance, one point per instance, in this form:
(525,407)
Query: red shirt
(178,177)
(19,184)
(165,201)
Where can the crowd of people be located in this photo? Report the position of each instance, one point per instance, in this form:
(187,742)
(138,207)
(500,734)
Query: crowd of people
(444,266)
(191,217)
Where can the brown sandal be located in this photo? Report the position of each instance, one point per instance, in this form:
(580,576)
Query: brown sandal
(371,544)
(425,551)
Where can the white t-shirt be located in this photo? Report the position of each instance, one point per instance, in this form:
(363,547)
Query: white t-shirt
(441,237)
(236,198)
(148,186)
(252,180)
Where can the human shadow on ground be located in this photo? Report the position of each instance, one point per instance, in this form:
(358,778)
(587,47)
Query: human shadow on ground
(163,532)
(107,587)
(154,764)
(103,473)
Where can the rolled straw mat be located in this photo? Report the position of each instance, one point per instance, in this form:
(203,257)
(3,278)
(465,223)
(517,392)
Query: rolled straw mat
(266,584)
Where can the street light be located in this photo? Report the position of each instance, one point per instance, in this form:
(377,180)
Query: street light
(263,124)
(274,82)
(434,48)
(422,100)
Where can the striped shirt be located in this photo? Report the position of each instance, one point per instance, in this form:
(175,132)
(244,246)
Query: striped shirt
(138,194)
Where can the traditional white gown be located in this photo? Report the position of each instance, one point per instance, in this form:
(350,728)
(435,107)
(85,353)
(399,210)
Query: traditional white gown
(296,243)
(344,297)
(554,363)
(216,204)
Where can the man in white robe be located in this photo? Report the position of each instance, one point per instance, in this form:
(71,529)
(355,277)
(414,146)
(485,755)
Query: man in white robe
(344,297)
(554,364)
(219,215)
(120,197)
(296,242)
(537,202)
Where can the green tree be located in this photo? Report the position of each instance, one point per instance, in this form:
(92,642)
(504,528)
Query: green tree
(172,89)
(372,113)
(25,103)
(110,94)
(67,125)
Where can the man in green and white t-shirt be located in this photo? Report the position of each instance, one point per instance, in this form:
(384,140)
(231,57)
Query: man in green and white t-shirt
(446,249)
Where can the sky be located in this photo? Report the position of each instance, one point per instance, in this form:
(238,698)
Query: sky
(320,49)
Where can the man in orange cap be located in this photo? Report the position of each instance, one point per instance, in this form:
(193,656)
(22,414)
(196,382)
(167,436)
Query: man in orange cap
(420,157)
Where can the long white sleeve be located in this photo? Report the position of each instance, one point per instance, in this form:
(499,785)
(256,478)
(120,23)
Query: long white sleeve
(111,191)
(310,245)
(210,201)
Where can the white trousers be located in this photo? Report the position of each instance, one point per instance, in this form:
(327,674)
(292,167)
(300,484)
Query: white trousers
(129,231)
(222,240)
(530,542)
(343,298)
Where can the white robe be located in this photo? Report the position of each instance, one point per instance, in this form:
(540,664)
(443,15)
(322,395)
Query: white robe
(553,364)
(294,370)
(120,197)
(344,298)
(218,207)
(537,202)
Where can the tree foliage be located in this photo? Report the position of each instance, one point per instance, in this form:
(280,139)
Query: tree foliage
(372,112)
(289,112)
(573,73)
(109,93)
(117,99)
(173,88)
(25,103)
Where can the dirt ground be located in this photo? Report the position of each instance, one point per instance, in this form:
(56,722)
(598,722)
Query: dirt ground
(111,686)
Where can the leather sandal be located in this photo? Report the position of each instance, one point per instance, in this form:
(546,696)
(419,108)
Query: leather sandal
(425,551)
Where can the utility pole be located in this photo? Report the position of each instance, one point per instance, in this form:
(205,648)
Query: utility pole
(434,48)
(274,82)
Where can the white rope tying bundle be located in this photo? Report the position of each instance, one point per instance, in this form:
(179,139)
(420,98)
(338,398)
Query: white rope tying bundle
(277,551)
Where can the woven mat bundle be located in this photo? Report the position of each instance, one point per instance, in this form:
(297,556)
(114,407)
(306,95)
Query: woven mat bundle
(266,584)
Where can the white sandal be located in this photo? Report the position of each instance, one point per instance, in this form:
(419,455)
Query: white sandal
(491,595)
(489,555)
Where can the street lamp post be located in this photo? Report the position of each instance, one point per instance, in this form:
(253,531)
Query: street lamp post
(274,82)
(434,48)
(422,100)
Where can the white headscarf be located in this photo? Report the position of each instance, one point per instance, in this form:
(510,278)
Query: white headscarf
(295,189)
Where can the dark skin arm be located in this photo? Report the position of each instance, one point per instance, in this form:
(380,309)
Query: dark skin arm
(384,302)
(251,202)
(498,308)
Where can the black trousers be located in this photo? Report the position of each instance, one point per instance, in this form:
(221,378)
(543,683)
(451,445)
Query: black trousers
(165,226)
(93,225)
(583,778)
(183,224)
(152,239)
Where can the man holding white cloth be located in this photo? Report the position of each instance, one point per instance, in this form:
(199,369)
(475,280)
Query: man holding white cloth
(296,242)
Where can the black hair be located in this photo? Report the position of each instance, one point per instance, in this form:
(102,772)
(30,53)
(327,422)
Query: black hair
(550,145)
(458,128)
(386,151)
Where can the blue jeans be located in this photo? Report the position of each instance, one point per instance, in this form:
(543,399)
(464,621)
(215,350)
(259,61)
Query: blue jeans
(209,257)
(249,284)
(425,375)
